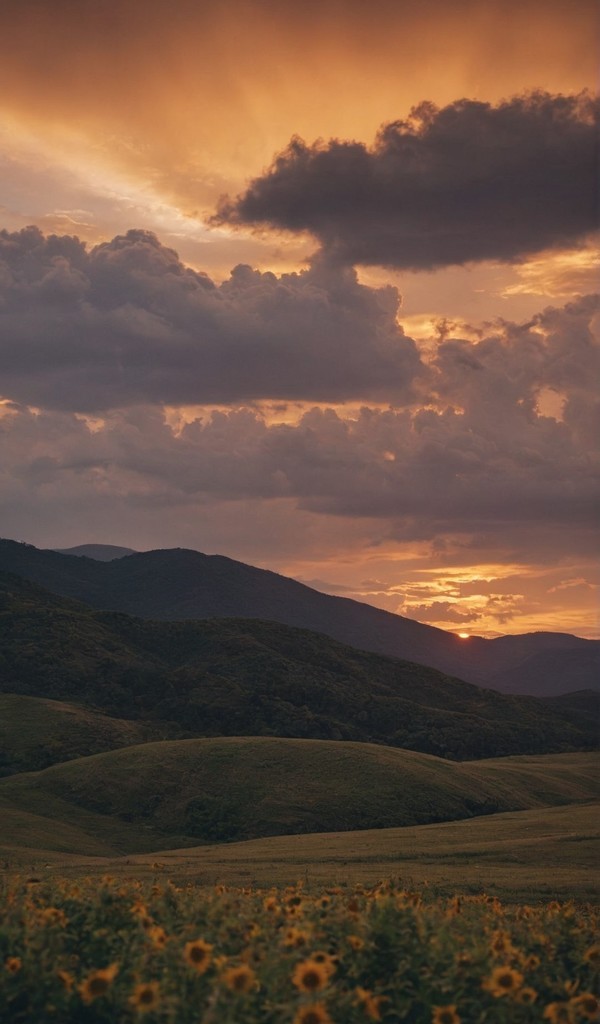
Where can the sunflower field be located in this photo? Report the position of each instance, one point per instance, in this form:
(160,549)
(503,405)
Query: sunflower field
(90,951)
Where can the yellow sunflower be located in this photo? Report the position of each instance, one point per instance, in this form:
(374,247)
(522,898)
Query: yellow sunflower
(355,942)
(526,996)
(295,938)
(240,979)
(501,944)
(503,981)
(67,980)
(97,983)
(198,954)
(559,1013)
(13,964)
(592,956)
(445,1015)
(314,1014)
(310,976)
(326,959)
(52,915)
(371,1004)
(145,996)
(157,936)
(587,1005)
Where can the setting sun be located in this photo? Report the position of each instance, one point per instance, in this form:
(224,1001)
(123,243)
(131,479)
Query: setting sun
(464,636)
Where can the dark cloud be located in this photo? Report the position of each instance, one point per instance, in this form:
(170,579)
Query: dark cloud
(480,460)
(467,182)
(128,323)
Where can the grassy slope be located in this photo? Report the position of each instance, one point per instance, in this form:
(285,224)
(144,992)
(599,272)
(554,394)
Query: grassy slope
(525,855)
(221,789)
(35,733)
(247,677)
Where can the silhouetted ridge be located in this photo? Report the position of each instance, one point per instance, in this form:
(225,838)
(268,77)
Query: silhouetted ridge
(177,584)
(246,677)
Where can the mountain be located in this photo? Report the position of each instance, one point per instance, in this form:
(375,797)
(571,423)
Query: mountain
(216,790)
(246,677)
(180,584)
(99,552)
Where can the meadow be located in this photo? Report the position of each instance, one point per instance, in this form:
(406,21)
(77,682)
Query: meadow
(106,949)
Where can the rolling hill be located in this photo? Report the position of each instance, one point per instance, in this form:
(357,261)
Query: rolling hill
(244,677)
(35,733)
(180,584)
(218,790)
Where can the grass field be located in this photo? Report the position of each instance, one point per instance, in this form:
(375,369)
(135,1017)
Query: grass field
(540,854)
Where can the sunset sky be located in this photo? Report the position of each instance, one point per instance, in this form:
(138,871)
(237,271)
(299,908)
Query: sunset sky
(312,285)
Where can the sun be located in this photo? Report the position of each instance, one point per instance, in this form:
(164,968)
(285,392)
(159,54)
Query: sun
(464,636)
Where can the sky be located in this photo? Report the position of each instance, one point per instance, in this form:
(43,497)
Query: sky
(314,286)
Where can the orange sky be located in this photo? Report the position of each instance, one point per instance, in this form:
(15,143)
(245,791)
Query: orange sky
(141,113)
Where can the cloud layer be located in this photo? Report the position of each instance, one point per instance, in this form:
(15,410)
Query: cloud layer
(128,323)
(480,459)
(467,182)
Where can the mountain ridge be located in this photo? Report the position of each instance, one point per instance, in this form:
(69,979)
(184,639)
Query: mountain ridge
(248,677)
(178,583)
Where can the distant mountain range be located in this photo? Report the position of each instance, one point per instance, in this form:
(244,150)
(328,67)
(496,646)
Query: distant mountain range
(100,552)
(178,584)
(245,677)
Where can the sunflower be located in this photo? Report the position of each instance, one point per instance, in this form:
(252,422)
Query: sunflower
(326,959)
(355,942)
(240,979)
(314,1014)
(198,954)
(501,943)
(271,905)
(587,1005)
(592,956)
(526,996)
(311,976)
(157,936)
(371,1004)
(67,980)
(295,938)
(504,981)
(559,1013)
(145,996)
(97,983)
(13,964)
(52,915)
(445,1015)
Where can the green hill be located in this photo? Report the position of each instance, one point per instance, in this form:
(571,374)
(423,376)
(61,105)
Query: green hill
(213,790)
(247,677)
(35,733)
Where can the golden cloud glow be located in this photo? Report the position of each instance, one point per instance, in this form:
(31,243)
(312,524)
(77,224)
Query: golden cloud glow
(191,98)
(567,273)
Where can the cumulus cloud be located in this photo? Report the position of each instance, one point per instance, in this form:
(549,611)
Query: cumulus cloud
(466,182)
(479,461)
(128,323)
